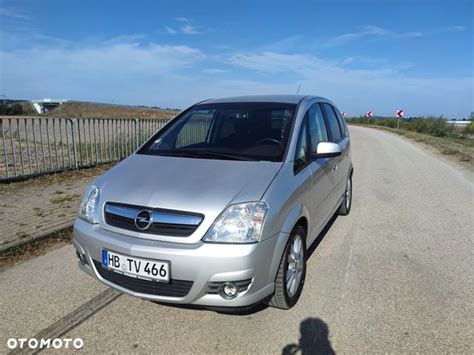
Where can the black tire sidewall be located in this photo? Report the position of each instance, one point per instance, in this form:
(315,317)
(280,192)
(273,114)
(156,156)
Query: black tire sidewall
(343,210)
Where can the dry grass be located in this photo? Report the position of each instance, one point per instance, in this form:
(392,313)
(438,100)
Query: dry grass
(74,109)
(64,198)
(56,178)
(34,248)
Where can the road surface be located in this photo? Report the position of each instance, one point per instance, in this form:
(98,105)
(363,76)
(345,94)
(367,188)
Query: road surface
(396,275)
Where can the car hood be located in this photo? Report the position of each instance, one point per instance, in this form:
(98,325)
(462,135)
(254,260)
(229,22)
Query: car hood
(184,184)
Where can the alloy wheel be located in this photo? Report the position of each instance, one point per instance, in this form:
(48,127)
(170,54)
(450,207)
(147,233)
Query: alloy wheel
(295,267)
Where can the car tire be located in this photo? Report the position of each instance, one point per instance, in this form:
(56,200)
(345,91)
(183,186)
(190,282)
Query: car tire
(346,204)
(291,275)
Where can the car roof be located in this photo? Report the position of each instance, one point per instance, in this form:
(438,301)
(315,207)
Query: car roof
(288,99)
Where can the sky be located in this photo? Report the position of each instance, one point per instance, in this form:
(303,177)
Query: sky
(378,56)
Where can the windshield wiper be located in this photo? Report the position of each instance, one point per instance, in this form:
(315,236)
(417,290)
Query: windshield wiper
(204,155)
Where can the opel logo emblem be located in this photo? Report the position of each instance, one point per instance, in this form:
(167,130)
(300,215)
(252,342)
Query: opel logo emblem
(143,220)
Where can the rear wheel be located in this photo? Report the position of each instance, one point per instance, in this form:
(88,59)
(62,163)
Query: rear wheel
(347,201)
(291,272)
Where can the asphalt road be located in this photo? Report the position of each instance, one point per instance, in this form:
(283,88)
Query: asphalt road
(396,275)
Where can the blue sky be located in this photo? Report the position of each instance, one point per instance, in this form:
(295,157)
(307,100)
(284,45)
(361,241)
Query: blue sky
(364,55)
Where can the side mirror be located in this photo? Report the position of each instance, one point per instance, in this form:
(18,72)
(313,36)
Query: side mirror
(327,150)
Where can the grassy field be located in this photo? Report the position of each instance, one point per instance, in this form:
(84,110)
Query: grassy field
(75,109)
(457,142)
(79,109)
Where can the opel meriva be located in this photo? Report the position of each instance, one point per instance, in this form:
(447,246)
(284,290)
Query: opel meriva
(219,207)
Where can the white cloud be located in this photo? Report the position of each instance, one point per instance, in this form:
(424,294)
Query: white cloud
(190,30)
(30,39)
(124,71)
(182,19)
(357,89)
(364,31)
(131,38)
(214,71)
(285,44)
(13,14)
(369,31)
(274,62)
(184,27)
(170,30)
(456,28)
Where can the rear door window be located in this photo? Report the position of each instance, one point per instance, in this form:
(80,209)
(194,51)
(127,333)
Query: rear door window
(331,120)
(342,123)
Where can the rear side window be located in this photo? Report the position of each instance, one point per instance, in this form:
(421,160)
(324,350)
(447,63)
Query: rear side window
(317,127)
(342,123)
(333,125)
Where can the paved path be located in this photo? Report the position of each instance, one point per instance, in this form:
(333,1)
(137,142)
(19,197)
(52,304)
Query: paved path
(38,207)
(395,276)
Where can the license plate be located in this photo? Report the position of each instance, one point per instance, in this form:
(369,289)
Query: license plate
(153,270)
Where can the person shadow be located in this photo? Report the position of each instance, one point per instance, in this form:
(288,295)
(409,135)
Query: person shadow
(314,339)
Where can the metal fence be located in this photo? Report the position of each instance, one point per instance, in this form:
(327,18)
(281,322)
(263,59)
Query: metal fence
(34,146)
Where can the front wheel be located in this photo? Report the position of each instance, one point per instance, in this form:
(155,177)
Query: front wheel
(347,200)
(291,272)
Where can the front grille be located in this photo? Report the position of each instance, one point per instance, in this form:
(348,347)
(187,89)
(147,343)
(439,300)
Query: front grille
(165,222)
(175,288)
(213,288)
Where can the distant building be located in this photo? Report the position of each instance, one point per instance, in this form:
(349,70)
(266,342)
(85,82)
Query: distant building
(45,105)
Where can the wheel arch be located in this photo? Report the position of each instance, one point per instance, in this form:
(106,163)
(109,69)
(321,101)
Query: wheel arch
(299,215)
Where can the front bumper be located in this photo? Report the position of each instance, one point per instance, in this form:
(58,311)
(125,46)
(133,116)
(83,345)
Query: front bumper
(201,263)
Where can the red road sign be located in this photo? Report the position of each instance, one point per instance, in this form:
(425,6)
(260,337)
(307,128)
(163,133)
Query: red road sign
(343,113)
(400,114)
(369,114)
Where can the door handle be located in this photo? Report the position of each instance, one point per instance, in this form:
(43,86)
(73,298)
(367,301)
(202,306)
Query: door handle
(334,167)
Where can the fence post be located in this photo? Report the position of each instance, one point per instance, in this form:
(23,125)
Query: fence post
(73,130)
(135,124)
(21,147)
(5,152)
(13,145)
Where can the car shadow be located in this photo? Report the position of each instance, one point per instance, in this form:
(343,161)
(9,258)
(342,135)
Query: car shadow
(235,311)
(321,235)
(314,339)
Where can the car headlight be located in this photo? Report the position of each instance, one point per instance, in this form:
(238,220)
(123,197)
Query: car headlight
(89,205)
(240,223)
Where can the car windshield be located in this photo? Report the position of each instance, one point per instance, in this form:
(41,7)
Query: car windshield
(230,131)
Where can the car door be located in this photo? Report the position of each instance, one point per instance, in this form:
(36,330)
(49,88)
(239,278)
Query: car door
(344,160)
(338,164)
(323,182)
(302,171)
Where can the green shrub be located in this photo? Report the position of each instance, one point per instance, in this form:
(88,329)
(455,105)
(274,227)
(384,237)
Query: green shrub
(468,129)
(434,126)
(15,109)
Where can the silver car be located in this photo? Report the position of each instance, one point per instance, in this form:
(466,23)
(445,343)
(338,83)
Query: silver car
(219,207)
